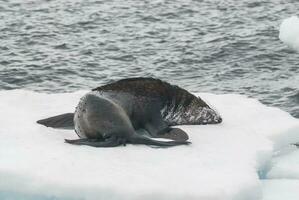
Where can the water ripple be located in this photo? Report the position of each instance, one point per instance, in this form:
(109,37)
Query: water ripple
(205,46)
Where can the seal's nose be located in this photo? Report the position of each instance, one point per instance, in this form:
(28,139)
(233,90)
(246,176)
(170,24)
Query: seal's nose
(214,117)
(218,120)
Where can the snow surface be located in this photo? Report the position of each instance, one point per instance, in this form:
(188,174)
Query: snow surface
(281,189)
(285,164)
(224,161)
(289,32)
(282,178)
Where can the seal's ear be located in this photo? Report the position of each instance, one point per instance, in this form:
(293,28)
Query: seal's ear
(64,121)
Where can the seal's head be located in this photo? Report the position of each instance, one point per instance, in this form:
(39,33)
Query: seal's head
(207,115)
(194,112)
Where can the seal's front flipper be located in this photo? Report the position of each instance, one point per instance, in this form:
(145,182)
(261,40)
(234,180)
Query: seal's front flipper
(296,144)
(139,139)
(110,142)
(65,121)
(174,134)
(157,128)
(156,125)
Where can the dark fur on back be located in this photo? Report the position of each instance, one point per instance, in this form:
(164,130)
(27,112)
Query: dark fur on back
(153,88)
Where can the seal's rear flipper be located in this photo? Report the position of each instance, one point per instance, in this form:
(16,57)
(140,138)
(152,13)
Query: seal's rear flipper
(65,121)
(110,142)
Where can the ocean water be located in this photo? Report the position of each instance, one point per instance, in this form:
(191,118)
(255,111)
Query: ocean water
(215,46)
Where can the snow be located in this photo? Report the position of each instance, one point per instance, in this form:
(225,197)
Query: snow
(281,189)
(289,32)
(224,161)
(285,164)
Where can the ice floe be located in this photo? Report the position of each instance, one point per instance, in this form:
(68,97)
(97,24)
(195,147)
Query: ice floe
(224,161)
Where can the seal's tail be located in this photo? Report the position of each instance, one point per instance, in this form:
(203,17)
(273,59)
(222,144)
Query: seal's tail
(139,139)
(65,121)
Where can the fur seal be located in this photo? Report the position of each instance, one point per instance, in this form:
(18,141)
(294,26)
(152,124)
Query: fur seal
(112,114)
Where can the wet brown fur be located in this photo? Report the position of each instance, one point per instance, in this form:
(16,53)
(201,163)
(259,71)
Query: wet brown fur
(153,88)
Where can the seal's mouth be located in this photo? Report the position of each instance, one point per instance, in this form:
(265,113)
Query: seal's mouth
(210,116)
(218,120)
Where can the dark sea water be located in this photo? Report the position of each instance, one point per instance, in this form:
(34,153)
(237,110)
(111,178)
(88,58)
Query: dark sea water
(216,46)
